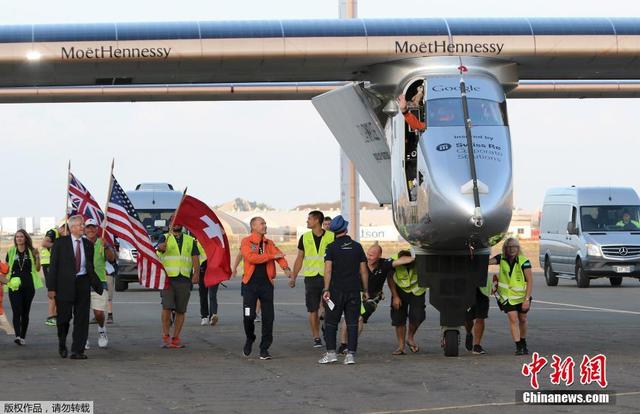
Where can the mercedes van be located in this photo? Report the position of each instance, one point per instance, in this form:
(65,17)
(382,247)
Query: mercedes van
(155,203)
(590,232)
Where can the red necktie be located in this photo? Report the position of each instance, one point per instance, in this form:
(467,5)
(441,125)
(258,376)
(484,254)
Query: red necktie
(78,257)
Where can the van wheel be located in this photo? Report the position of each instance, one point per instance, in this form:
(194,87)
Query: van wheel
(582,280)
(549,276)
(121,286)
(615,280)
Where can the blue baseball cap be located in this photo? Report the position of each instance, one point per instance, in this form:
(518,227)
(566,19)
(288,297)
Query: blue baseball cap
(338,224)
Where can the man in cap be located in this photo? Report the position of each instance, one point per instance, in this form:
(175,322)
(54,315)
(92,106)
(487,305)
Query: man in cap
(102,254)
(345,283)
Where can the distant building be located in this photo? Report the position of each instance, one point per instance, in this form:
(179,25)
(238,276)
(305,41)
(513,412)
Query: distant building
(46,223)
(521,225)
(9,225)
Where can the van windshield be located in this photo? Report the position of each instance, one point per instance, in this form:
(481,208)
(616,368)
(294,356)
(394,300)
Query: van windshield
(448,112)
(148,219)
(610,218)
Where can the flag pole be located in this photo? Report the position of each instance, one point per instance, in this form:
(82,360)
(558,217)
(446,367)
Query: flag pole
(173,218)
(66,201)
(106,204)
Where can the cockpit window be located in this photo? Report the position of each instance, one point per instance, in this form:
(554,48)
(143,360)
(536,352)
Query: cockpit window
(448,112)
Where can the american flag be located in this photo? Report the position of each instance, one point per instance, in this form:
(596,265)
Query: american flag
(123,222)
(82,202)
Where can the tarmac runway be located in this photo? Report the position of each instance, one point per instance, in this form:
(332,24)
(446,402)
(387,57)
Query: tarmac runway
(135,375)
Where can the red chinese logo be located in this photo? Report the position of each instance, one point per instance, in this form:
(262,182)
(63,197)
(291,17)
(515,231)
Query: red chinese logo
(594,370)
(591,370)
(562,370)
(531,370)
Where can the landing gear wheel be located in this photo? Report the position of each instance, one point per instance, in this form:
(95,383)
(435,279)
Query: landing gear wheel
(615,280)
(451,342)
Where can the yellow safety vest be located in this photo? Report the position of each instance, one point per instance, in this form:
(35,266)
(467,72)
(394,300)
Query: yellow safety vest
(406,278)
(313,264)
(45,253)
(37,282)
(512,288)
(176,262)
(635,223)
(203,255)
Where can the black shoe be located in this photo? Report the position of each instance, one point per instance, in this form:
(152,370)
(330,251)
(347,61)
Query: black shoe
(264,355)
(523,344)
(317,343)
(78,356)
(342,349)
(246,351)
(63,351)
(468,342)
(478,350)
(519,350)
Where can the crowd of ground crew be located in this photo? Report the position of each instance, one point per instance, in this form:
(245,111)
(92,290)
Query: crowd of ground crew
(343,287)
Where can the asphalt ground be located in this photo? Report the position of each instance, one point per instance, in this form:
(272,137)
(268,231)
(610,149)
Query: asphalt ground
(135,375)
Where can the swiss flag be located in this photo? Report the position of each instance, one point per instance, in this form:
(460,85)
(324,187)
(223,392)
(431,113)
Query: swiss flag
(205,226)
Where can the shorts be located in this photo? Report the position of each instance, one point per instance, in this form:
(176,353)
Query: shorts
(111,285)
(480,309)
(313,287)
(100,302)
(413,307)
(507,307)
(176,296)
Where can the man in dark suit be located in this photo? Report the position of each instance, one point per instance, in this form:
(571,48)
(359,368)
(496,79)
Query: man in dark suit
(71,277)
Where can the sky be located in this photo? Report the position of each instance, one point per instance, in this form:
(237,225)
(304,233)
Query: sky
(280,153)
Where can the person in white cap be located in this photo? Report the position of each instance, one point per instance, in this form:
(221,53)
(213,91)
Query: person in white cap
(102,255)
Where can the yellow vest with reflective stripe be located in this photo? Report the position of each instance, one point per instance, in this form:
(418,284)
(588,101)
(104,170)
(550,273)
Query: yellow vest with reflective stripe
(313,263)
(35,275)
(512,288)
(45,254)
(406,278)
(176,262)
(203,255)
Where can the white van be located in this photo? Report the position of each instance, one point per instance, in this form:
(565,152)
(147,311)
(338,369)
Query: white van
(590,232)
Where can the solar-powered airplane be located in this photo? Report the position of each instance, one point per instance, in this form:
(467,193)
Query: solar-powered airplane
(450,185)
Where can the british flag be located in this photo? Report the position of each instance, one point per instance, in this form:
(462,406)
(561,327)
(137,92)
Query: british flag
(123,222)
(82,202)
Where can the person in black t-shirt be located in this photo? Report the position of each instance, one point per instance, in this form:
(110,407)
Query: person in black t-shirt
(345,277)
(379,268)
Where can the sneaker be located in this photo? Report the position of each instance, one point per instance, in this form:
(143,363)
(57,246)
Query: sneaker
(50,321)
(349,359)
(103,340)
(213,320)
(22,341)
(468,342)
(342,349)
(264,355)
(246,351)
(328,358)
(317,343)
(204,321)
(478,350)
(110,318)
(17,341)
(166,341)
(176,343)
(87,346)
